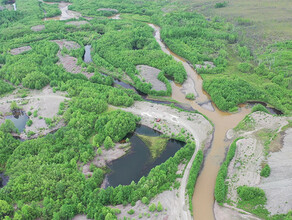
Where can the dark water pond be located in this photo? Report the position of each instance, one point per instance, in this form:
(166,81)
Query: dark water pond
(273,111)
(19,119)
(3,180)
(138,162)
(87,54)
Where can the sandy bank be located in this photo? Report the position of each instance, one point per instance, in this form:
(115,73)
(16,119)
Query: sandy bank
(150,74)
(173,122)
(20,50)
(249,157)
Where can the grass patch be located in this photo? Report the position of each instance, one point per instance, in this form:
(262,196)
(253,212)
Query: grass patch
(156,145)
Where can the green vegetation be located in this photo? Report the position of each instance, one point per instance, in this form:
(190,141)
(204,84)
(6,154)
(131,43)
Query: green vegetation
(152,207)
(5,87)
(29,123)
(156,145)
(194,172)
(221,4)
(131,212)
(14,106)
(259,107)
(190,96)
(220,186)
(265,172)
(252,199)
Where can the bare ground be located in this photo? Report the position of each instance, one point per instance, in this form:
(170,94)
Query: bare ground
(69,62)
(77,23)
(106,157)
(45,102)
(150,75)
(20,50)
(246,165)
(38,28)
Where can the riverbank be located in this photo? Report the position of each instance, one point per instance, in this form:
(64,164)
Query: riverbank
(261,134)
(173,122)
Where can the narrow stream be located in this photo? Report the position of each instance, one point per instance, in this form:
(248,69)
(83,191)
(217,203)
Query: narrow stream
(203,199)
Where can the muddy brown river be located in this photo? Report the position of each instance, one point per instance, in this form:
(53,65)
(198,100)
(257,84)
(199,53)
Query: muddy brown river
(203,199)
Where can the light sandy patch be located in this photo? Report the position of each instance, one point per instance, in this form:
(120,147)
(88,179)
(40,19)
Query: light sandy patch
(150,75)
(227,212)
(70,65)
(77,23)
(206,65)
(20,50)
(68,62)
(245,167)
(45,102)
(278,186)
(173,121)
(66,13)
(69,45)
(106,157)
(80,217)
(38,28)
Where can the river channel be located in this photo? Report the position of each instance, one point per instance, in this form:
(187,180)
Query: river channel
(203,199)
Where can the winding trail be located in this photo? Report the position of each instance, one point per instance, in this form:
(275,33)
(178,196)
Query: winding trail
(203,199)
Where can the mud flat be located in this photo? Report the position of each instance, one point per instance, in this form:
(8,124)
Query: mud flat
(45,102)
(20,50)
(150,75)
(250,155)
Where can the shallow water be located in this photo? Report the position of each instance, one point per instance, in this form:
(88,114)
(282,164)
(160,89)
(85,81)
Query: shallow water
(19,119)
(138,161)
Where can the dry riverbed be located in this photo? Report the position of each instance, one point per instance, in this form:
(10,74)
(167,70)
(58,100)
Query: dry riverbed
(249,158)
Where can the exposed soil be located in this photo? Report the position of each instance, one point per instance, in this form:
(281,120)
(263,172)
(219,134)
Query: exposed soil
(20,50)
(69,62)
(45,102)
(38,28)
(106,157)
(246,165)
(77,23)
(150,75)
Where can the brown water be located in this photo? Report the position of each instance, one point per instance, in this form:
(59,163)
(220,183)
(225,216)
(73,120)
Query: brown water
(203,199)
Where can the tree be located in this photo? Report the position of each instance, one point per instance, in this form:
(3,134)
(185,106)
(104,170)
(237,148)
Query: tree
(108,143)
(152,207)
(145,200)
(99,151)
(159,207)
(5,209)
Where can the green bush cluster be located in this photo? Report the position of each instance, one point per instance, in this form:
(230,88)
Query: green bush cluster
(259,107)
(265,172)
(194,172)
(220,186)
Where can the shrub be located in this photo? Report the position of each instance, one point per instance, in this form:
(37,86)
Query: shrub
(245,67)
(221,4)
(145,200)
(259,107)
(159,207)
(131,212)
(29,123)
(108,143)
(152,207)
(190,96)
(266,171)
